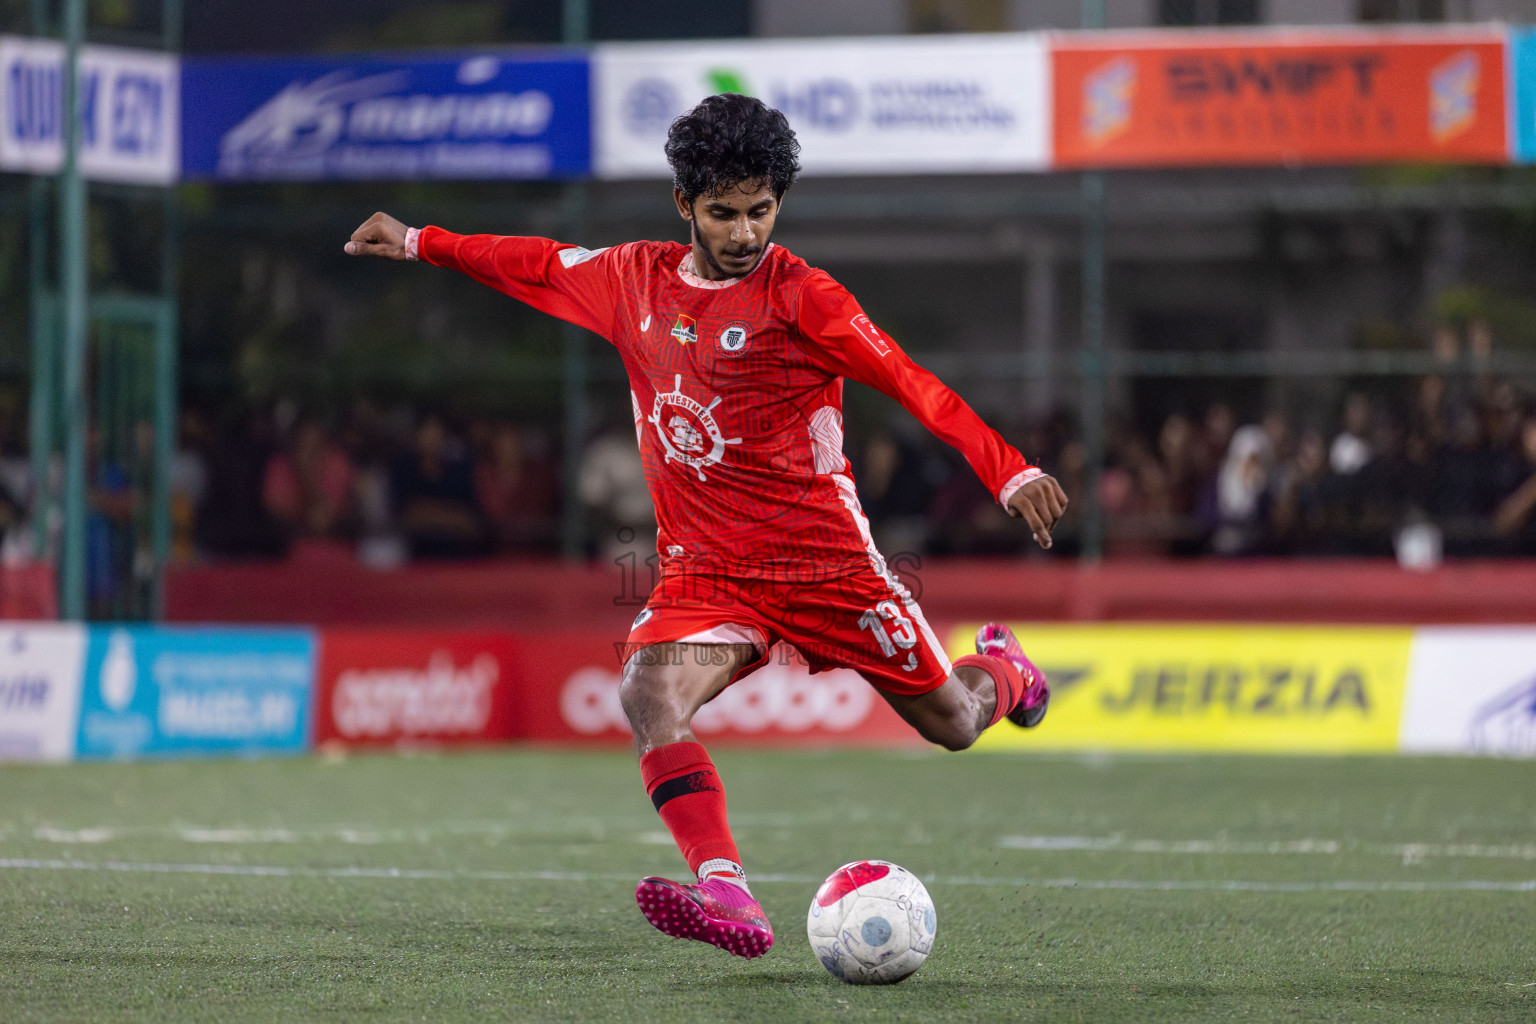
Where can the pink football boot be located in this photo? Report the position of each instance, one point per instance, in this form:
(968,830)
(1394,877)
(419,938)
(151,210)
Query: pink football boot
(715,911)
(998,641)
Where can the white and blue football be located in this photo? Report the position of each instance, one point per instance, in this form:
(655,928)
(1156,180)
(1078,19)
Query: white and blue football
(871,923)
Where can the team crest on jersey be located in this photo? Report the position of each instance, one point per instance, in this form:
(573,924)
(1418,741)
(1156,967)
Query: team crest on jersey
(685,330)
(688,430)
(735,338)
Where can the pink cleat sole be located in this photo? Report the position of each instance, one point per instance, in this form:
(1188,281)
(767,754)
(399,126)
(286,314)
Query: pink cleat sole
(694,912)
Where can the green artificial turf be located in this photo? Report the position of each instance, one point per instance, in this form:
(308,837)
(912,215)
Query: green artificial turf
(498,886)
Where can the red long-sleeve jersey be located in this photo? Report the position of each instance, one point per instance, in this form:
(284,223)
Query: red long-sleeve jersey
(737,393)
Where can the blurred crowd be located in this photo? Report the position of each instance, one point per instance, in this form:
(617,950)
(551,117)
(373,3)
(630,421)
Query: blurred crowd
(1423,469)
(388,485)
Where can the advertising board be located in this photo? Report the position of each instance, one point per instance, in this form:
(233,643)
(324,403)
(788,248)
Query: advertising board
(1471,690)
(178,692)
(1279,98)
(570,693)
(1212,688)
(129,103)
(1522,101)
(869,106)
(486,115)
(39,690)
(381,687)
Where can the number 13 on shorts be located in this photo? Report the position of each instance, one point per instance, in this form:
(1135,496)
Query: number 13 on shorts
(902,636)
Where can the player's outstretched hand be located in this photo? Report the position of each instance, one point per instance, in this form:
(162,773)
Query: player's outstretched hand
(1040,503)
(380,235)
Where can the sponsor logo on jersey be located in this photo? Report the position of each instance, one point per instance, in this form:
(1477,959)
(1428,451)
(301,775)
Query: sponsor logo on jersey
(870,333)
(687,428)
(642,618)
(645,324)
(735,338)
(577,256)
(685,330)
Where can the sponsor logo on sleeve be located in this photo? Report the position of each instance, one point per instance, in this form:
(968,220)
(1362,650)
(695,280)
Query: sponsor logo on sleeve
(576,256)
(870,333)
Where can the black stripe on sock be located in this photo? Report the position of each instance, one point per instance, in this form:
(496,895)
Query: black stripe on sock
(698,782)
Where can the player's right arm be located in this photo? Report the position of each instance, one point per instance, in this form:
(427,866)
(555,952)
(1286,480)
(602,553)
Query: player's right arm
(843,341)
(563,280)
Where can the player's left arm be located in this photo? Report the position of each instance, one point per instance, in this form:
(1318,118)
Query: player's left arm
(840,338)
(557,278)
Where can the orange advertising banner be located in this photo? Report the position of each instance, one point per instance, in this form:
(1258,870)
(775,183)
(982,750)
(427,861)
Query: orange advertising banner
(1279,98)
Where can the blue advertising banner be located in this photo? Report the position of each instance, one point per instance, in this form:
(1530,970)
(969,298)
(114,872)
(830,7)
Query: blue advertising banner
(180,692)
(1522,95)
(480,116)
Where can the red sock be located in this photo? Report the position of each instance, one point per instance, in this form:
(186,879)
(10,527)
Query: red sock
(1005,676)
(682,783)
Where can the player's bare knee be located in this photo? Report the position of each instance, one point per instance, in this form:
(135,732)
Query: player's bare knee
(648,702)
(952,733)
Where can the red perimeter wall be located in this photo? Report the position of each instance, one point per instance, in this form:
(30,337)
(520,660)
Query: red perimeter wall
(554,596)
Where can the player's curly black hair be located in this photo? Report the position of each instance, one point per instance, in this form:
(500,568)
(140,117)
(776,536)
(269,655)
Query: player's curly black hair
(728,139)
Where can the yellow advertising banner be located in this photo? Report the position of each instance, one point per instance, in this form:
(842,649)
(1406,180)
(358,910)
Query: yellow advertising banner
(1281,689)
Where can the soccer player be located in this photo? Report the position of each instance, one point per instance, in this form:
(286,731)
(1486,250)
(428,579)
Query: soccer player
(736,352)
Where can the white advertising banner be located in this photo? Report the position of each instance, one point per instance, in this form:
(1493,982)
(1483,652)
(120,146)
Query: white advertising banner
(923,105)
(40,674)
(130,111)
(1471,690)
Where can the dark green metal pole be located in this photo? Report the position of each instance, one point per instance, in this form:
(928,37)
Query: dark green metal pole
(167,343)
(575,22)
(1092,354)
(574,358)
(45,361)
(1091,360)
(72,297)
(45,346)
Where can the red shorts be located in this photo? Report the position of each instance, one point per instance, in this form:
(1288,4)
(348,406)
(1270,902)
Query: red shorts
(866,621)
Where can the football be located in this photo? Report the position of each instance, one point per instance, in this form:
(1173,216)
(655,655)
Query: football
(871,923)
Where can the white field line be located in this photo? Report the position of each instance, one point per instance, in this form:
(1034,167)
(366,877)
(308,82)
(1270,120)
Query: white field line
(437,875)
(365,836)
(1408,852)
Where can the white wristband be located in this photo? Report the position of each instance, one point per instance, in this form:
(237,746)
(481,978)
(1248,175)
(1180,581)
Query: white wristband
(412,239)
(1007,490)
